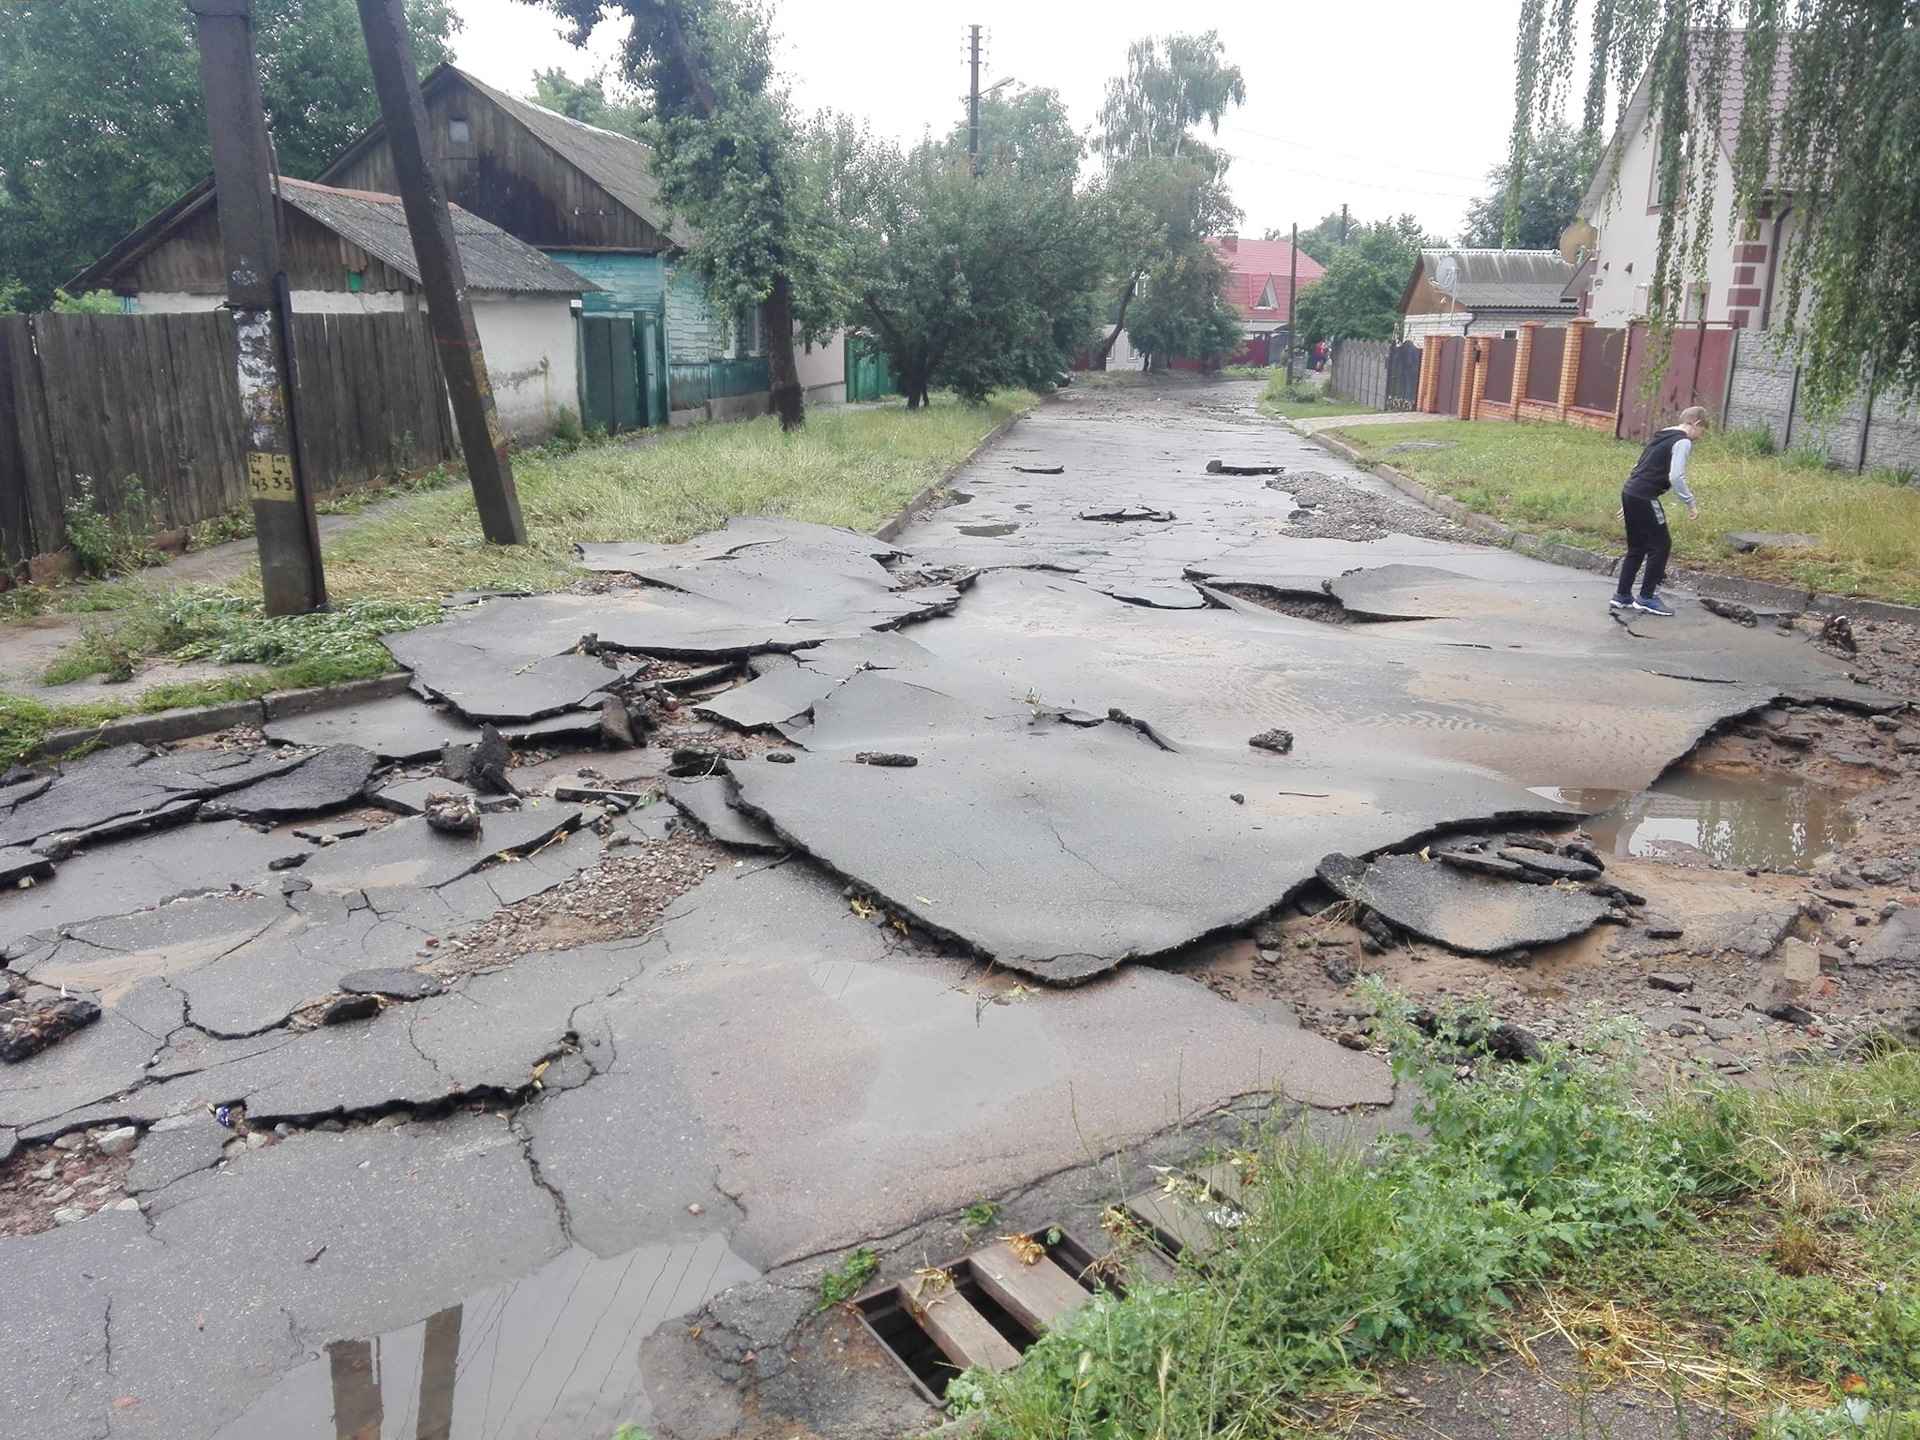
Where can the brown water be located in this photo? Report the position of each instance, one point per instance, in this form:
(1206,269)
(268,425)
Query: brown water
(551,1357)
(989,529)
(1767,822)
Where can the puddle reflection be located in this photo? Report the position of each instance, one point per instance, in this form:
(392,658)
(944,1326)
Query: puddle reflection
(1765,822)
(550,1357)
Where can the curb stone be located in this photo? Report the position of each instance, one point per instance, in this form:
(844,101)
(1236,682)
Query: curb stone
(1761,594)
(890,528)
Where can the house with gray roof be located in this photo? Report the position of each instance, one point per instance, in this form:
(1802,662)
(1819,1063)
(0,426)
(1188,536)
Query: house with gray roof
(349,251)
(1485,292)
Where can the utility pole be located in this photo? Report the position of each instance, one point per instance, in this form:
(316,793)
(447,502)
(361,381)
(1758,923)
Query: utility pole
(1293,295)
(482,442)
(973,100)
(291,581)
(1343,227)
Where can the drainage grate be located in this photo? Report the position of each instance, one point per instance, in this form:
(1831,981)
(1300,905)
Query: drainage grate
(984,1308)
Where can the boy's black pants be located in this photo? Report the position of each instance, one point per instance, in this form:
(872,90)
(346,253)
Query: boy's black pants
(1647,541)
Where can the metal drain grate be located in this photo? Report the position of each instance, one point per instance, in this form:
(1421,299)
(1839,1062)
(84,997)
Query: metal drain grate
(984,1308)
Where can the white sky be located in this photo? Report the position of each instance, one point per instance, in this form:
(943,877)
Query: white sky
(1386,105)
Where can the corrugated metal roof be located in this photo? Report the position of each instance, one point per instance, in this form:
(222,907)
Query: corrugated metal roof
(618,164)
(493,260)
(1500,279)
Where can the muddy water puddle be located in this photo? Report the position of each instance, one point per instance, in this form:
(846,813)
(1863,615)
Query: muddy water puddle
(989,530)
(1761,820)
(551,1357)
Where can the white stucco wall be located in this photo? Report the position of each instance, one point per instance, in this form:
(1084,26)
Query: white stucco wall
(823,371)
(532,359)
(1630,239)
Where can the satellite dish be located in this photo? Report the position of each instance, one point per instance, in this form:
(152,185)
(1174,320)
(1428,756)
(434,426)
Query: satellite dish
(1578,241)
(1446,274)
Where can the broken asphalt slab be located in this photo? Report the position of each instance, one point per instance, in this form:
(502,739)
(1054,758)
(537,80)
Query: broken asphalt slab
(129,782)
(1473,914)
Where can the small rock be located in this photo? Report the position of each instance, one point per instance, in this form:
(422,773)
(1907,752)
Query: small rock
(68,1215)
(1677,981)
(127,1204)
(693,1209)
(258,1140)
(885,758)
(393,1121)
(1280,742)
(287,862)
(452,814)
(118,1141)
(1663,929)
(780,757)
(72,1140)
(1238,799)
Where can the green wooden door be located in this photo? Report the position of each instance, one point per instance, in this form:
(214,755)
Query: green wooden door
(596,372)
(614,391)
(650,338)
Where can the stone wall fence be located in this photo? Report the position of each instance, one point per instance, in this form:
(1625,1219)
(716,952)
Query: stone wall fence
(1764,391)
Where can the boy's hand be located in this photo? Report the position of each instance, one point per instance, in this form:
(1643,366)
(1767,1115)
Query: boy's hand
(1693,512)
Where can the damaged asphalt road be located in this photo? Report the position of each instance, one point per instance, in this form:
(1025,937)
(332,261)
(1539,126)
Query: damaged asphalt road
(804,1051)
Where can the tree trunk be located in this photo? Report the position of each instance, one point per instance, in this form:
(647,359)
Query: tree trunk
(783,375)
(1106,346)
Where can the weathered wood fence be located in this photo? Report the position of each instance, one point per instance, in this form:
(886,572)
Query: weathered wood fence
(102,399)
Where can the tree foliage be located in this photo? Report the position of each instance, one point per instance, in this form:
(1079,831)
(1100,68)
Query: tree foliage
(103,122)
(588,102)
(1359,296)
(1532,215)
(1165,194)
(727,157)
(1827,133)
(964,280)
(1027,129)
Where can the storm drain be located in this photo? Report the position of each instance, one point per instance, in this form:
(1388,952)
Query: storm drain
(988,1307)
(985,1308)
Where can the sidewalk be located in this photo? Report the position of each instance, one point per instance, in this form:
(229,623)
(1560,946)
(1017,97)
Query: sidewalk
(1318,423)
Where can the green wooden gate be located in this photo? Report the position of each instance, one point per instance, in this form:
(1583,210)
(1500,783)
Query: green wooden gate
(868,375)
(623,372)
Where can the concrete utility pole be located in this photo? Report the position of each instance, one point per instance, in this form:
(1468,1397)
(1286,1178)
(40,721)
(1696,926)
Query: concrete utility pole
(243,185)
(973,100)
(484,444)
(1343,227)
(1293,296)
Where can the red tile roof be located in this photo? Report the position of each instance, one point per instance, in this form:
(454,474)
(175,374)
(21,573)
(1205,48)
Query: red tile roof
(1254,264)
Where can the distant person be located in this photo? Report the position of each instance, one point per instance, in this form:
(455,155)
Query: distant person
(1662,467)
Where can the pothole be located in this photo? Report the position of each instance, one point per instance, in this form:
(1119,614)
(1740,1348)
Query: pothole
(1770,820)
(990,530)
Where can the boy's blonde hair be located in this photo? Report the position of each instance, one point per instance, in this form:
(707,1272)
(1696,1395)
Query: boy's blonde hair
(1694,415)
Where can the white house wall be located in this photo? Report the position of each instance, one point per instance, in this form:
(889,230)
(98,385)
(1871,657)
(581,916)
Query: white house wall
(532,359)
(1630,239)
(823,369)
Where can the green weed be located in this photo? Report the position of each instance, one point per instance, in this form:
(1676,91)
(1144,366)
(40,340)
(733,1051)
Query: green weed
(107,542)
(1755,441)
(979,1215)
(848,1279)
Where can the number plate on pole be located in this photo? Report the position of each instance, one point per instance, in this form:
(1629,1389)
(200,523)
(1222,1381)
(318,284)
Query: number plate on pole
(269,476)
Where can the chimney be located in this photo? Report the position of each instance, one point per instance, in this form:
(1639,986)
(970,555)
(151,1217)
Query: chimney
(1230,243)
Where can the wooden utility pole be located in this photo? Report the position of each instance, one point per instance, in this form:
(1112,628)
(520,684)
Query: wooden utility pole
(973,100)
(1293,296)
(291,581)
(482,442)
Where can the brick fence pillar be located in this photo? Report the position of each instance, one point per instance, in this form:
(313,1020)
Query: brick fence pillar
(1570,365)
(1429,374)
(1522,365)
(1482,353)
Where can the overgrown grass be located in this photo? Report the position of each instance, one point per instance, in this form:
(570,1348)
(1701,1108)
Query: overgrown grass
(1548,1175)
(1564,482)
(850,467)
(1299,400)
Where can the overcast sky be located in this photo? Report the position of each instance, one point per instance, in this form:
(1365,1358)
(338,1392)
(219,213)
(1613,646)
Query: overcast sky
(1340,93)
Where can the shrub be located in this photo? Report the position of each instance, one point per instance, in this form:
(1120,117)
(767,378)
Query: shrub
(106,543)
(1751,440)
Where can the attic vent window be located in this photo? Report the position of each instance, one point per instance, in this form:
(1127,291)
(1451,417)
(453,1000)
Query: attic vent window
(457,131)
(356,281)
(1267,300)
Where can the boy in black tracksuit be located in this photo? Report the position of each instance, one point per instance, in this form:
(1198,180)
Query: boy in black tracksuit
(1662,467)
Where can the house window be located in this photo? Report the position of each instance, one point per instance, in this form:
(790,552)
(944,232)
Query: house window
(1267,299)
(457,131)
(1696,306)
(356,281)
(1641,295)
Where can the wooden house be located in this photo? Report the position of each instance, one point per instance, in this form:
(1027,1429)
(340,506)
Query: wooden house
(1485,292)
(651,346)
(349,251)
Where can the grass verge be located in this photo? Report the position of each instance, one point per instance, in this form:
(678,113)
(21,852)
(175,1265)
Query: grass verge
(1301,401)
(1564,483)
(1777,1227)
(852,467)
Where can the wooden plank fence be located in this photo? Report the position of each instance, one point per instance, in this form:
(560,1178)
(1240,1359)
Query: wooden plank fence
(109,398)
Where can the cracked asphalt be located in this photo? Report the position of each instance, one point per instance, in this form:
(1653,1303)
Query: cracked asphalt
(466,1214)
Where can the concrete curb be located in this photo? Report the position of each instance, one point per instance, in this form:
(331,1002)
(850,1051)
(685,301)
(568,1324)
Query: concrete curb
(194,720)
(888,529)
(1759,594)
